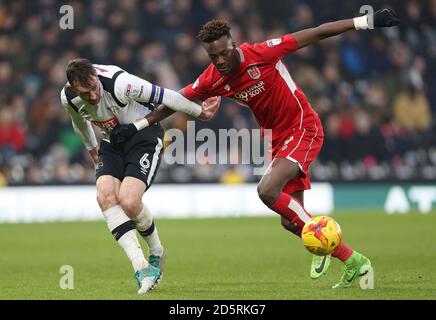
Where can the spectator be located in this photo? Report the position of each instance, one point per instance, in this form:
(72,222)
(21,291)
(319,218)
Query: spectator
(412,110)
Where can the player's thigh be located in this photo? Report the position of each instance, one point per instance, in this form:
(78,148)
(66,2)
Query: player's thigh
(107,191)
(130,194)
(109,174)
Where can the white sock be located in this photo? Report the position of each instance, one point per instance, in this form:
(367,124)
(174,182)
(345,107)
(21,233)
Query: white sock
(147,229)
(123,230)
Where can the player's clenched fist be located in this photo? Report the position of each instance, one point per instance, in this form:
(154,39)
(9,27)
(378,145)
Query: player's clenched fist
(122,132)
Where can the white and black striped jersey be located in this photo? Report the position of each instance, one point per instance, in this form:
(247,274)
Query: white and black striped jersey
(124,98)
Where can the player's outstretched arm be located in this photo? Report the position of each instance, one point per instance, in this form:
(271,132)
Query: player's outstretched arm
(177,102)
(172,102)
(208,109)
(381,18)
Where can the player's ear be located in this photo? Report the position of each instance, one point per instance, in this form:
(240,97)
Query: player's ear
(68,85)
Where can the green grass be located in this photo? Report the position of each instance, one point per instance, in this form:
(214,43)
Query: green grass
(225,258)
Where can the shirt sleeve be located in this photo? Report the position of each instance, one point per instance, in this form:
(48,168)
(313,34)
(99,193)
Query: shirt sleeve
(276,49)
(81,126)
(129,86)
(198,89)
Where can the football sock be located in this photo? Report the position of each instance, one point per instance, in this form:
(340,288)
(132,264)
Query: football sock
(342,252)
(124,231)
(292,210)
(147,229)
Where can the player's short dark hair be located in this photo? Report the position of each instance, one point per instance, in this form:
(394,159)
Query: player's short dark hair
(80,70)
(213,30)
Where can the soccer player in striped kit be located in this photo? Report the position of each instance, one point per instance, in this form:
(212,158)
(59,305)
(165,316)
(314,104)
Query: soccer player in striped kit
(107,96)
(253,75)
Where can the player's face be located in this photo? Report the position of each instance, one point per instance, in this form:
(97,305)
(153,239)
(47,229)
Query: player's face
(223,55)
(91,93)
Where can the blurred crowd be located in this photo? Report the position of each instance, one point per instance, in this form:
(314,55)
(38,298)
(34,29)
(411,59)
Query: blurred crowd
(375,90)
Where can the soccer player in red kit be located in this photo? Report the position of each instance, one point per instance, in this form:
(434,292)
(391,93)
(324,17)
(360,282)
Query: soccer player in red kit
(253,75)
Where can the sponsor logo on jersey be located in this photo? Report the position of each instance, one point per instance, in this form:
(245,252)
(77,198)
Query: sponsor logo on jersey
(273,42)
(253,72)
(133,90)
(106,124)
(250,92)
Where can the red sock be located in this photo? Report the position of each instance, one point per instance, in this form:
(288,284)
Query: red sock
(343,252)
(291,209)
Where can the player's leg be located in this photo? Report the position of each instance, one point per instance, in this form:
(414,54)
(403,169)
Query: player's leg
(270,187)
(289,206)
(142,162)
(119,224)
(110,173)
(294,217)
(142,159)
(130,195)
(286,224)
(287,174)
(320,264)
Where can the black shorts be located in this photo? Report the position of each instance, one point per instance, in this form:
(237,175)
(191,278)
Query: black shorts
(138,157)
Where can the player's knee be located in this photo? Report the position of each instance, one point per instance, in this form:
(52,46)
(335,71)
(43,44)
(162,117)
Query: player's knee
(267,195)
(130,204)
(106,199)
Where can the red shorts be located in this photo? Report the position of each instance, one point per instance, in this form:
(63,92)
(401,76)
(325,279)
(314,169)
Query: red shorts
(302,146)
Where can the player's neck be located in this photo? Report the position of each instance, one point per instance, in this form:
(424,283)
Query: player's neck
(239,58)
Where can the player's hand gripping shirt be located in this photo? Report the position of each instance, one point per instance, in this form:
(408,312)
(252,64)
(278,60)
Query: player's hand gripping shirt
(263,83)
(124,98)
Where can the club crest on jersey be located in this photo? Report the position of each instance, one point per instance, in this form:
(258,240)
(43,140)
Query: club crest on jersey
(227,87)
(253,72)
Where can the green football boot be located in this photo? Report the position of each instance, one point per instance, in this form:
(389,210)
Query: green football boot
(158,262)
(319,266)
(147,278)
(356,266)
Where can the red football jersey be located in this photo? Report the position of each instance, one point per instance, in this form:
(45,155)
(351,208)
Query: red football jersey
(262,83)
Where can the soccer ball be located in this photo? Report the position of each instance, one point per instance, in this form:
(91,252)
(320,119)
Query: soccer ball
(321,235)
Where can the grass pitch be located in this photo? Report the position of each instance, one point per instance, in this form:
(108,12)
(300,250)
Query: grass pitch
(224,258)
